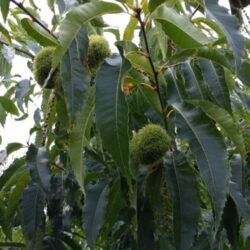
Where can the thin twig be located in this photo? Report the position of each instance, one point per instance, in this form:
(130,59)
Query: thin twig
(27,53)
(21,6)
(194,12)
(155,74)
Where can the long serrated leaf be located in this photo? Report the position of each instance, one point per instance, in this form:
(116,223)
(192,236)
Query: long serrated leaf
(183,188)
(76,18)
(179,28)
(94,210)
(214,76)
(38,33)
(225,120)
(112,111)
(37,161)
(208,147)
(229,26)
(214,55)
(78,139)
(193,79)
(79,100)
(115,204)
(33,202)
(75,78)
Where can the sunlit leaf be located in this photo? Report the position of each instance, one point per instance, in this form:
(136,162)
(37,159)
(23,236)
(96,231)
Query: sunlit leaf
(38,33)
(9,105)
(179,28)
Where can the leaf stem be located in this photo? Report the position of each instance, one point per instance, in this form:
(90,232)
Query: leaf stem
(155,73)
(21,6)
(27,53)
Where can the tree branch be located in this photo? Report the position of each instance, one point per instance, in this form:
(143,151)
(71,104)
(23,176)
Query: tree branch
(27,53)
(21,6)
(156,80)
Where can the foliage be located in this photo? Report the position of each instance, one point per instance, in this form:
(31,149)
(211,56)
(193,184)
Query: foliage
(143,148)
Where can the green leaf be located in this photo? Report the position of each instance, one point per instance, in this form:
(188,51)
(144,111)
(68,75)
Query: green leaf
(183,188)
(79,100)
(78,139)
(94,210)
(16,194)
(153,4)
(225,120)
(208,147)
(152,98)
(214,76)
(5,33)
(38,162)
(140,62)
(75,76)
(37,33)
(214,55)
(115,204)
(179,28)
(112,111)
(33,214)
(130,28)
(9,105)
(243,72)
(5,67)
(229,25)
(5,4)
(163,40)
(193,80)
(12,147)
(146,226)
(10,171)
(78,17)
